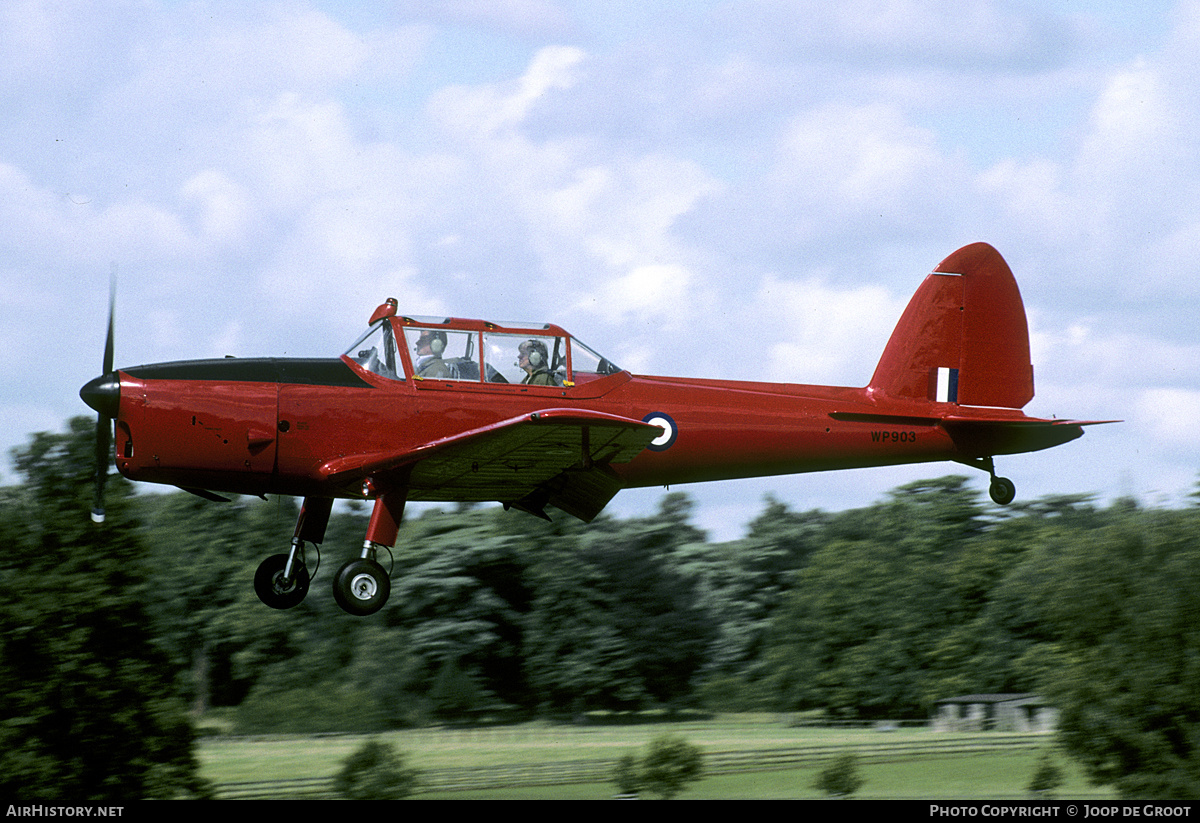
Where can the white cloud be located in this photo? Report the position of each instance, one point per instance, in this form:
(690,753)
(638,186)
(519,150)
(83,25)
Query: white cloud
(527,18)
(933,33)
(496,108)
(812,332)
(1032,194)
(223,204)
(599,223)
(1089,354)
(201,57)
(299,149)
(856,157)
(1171,415)
(1133,147)
(647,291)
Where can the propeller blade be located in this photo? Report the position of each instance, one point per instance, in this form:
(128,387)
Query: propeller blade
(104,423)
(112,305)
(103,443)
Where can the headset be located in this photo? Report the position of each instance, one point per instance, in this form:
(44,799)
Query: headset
(535,350)
(436,340)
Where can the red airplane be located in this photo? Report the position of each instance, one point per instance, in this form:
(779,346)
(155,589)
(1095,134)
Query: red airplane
(445,409)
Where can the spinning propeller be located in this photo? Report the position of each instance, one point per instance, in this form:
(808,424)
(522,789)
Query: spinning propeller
(104,395)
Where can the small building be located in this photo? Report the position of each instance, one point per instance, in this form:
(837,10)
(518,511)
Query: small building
(995,712)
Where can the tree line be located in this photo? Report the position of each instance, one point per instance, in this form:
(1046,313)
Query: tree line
(116,638)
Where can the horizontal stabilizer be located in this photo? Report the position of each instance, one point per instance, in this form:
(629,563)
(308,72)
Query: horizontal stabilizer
(976,437)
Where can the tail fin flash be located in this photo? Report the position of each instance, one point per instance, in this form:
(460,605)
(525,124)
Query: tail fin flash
(963,338)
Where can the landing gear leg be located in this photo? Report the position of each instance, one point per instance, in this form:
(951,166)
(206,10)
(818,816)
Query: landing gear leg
(362,586)
(282,579)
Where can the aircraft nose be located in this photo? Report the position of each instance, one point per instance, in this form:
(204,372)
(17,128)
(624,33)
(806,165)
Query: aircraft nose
(103,394)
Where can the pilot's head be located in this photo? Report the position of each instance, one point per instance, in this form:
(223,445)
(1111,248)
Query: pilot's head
(431,342)
(533,354)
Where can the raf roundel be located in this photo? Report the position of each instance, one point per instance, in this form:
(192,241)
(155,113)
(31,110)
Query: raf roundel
(665,440)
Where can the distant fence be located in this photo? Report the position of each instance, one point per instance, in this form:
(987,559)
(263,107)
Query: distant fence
(599,771)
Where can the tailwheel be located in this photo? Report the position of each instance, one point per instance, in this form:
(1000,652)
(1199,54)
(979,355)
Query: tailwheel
(361,587)
(275,588)
(1002,490)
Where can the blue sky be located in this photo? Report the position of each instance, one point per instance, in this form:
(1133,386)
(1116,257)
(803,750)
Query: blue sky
(749,188)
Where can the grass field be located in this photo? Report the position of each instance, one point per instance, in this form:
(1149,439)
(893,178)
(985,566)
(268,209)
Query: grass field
(980,777)
(987,775)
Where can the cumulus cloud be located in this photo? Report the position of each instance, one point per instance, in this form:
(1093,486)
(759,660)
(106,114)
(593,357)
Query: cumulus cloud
(649,291)
(523,18)
(598,223)
(856,158)
(992,34)
(825,334)
(222,203)
(489,109)
(1172,416)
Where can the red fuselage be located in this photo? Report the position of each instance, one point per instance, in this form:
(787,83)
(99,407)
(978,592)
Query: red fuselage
(269,426)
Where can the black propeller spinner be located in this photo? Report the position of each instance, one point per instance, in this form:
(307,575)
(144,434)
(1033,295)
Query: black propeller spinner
(104,395)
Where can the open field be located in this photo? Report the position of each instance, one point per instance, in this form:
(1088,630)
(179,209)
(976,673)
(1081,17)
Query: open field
(761,758)
(976,777)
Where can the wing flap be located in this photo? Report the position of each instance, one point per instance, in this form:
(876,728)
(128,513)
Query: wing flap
(556,456)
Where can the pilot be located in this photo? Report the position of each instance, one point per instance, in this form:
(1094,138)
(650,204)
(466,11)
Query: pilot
(430,346)
(535,360)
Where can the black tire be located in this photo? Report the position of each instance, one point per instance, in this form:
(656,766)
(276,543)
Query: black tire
(361,587)
(269,585)
(1002,490)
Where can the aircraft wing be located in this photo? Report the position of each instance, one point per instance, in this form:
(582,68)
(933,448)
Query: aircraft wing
(553,456)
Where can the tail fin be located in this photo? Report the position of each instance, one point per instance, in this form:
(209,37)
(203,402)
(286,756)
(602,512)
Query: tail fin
(963,338)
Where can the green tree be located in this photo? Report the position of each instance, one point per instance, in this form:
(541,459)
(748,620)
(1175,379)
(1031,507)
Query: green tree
(627,775)
(841,777)
(461,594)
(1124,612)
(576,656)
(91,712)
(670,765)
(376,771)
(861,631)
(740,586)
(208,619)
(615,623)
(1047,777)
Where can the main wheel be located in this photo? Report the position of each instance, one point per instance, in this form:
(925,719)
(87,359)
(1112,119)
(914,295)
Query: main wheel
(1002,490)
(361,587)
(273,590)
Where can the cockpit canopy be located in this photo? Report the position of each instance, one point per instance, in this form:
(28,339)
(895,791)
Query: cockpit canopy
(451,349)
